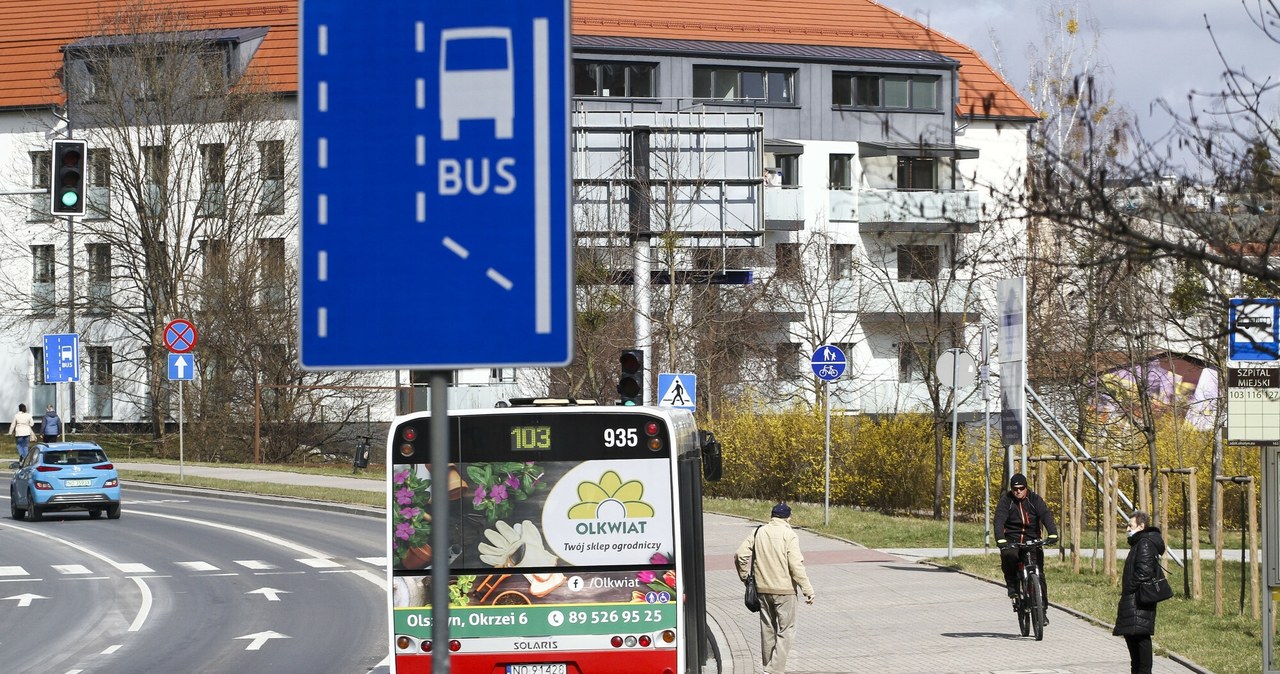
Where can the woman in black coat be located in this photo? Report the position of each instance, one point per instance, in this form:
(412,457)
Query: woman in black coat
(1136,621)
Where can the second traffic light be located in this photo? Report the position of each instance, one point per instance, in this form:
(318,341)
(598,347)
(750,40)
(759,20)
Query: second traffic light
(631,379)
(67,193)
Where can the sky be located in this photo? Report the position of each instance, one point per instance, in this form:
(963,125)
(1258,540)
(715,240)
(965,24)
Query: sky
(1153,48)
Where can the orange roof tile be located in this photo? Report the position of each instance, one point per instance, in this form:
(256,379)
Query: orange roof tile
(33,31)
(838,23)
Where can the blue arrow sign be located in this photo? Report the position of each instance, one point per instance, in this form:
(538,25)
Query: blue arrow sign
(828,362)
(444,239)
(182,366)
(61,358)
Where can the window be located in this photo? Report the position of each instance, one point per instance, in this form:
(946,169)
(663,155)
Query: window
(917,173)
(155,171)
(271,156)
(213,191)
(788,166)
(841,172)
(787,259)
(98,199)
(918,263)
(743,85)
(97,79)
(614,79)
(40,167)
(99,272)
(100,378)
(211,71)
(42,392)
(43,296)
(787,360)
(907,92)
(912,357)
(216,264)
(273,273)
(502,375)
(842,265)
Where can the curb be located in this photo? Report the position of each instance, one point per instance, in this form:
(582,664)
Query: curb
(1180,659)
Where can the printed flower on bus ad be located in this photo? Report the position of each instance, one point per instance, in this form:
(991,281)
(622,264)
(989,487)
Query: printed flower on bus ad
(410,522)
(501,483)
(666,582)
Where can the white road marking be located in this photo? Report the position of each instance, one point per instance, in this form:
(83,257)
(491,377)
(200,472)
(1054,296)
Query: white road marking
(146,605)
(255,564)
(111,649)
(13,571)
(270,593)
(499,279)
(197,566)
(134,567)
(69,569)
(24,599)
(376,561)
(320,563)
(456,248)
(322,39)
(261,638)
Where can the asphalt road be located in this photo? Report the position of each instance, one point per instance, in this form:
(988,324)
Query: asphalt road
(187,583)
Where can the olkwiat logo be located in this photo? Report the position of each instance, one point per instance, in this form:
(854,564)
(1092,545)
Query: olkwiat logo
(610,502)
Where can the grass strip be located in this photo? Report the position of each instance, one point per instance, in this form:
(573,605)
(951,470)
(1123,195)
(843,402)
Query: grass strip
(351,496)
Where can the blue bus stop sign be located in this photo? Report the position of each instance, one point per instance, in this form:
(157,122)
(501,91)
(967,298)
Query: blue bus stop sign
(828,362)
(61,358)
(1255,329)
(436,182)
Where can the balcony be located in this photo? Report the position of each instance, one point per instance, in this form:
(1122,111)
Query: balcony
(783,208)
(895,298)
(920,211)
(842,205)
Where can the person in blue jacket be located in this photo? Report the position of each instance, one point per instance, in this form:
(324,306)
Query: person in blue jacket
(50,425)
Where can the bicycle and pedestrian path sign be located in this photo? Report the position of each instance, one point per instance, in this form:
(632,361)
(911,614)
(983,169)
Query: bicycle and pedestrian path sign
(828,362)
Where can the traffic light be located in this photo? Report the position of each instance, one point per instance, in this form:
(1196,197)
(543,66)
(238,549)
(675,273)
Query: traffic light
(631,381)
(67,195)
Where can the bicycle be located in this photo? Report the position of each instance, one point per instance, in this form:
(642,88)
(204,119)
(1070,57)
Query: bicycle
(1030,603)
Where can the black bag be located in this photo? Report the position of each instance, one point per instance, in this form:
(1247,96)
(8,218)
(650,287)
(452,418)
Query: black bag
(752,597)
(1155,590)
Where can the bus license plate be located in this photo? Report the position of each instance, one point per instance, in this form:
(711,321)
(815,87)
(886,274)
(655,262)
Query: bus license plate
(77,483)
(540,668)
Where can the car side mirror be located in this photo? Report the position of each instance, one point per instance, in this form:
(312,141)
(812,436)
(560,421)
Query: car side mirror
(13,465)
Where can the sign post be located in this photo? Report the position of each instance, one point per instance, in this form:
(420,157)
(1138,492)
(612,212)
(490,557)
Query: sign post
(828,364)
(180,338)
(955,368)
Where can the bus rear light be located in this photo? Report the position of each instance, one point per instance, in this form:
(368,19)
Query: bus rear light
(406,449)
(651,429)
(455,645)
(629,642)
(655,444)
(426,646)
(669,636)
(409,434)
(645,640)
(616,642)
(404,643)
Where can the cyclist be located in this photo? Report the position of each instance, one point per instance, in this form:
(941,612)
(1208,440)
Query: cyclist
(1019,516)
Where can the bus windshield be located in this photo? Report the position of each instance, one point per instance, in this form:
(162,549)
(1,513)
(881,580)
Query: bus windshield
(564,537)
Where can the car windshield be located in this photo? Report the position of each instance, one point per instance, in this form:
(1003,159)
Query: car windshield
(74,457)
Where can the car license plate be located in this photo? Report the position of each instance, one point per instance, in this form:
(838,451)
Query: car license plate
(539,668)
(77,483)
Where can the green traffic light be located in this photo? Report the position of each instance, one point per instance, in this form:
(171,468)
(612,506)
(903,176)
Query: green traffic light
(70,198)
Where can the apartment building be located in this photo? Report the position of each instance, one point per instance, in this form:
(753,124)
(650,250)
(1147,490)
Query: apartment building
(852,158)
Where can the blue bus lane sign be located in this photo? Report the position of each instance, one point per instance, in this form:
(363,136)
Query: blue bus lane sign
(444,240)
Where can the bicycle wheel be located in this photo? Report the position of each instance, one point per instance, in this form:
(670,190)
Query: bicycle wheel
(1024,615)
(1035,604)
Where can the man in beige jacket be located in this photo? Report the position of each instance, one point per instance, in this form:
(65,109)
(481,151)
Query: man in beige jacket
(779,572)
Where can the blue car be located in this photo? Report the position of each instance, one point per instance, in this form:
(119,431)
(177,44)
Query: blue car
(64,476)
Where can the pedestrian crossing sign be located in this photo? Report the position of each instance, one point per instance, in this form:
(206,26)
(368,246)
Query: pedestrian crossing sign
(678,390)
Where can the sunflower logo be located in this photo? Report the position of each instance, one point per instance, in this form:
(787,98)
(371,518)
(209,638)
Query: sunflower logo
(610,499)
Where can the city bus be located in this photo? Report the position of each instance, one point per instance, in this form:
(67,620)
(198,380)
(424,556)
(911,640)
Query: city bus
(575,539)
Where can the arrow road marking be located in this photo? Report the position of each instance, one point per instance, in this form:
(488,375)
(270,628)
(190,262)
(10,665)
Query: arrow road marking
(270,593)
(25,599)
(261,638)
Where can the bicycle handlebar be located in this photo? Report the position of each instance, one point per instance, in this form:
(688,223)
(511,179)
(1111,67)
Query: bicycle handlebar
(1030,545)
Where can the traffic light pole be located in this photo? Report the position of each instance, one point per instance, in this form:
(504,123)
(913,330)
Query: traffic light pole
(71,312)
